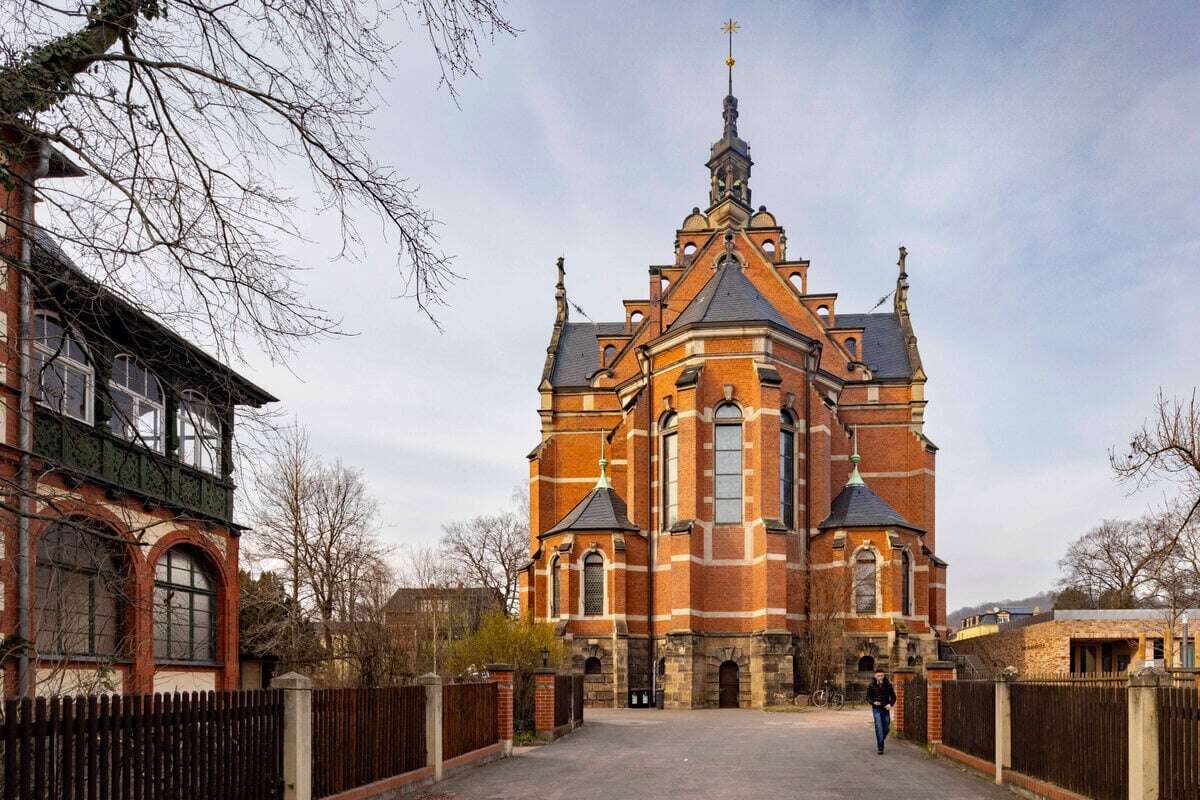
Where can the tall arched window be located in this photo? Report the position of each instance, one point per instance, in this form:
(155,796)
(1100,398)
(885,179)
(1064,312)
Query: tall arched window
(555,587)
(62,371)
(727,470)
(185,608)
(905,583)
(199,433)
(137,399)
(593,584)
(670,469)
(864,582)
(78,593)
(787,469)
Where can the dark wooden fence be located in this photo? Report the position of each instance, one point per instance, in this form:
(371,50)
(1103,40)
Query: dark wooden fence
(577,697)
(916,698)
(1178,743)
(468,717)
(364,735)
(969,717)
(210,745)
(564,694)
(1075,736)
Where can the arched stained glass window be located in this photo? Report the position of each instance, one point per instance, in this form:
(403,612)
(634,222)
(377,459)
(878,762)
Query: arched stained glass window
(864,582)
(555,587)
(787,469)
(727,464)
(670,469)
(593,584)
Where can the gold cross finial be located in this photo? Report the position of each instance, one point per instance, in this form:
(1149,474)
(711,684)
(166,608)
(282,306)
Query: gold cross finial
(730,27)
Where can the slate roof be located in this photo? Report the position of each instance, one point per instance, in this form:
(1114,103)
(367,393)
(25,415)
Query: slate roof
(578,355)
(883,343)
(602,510)
(729,296)
(856,506)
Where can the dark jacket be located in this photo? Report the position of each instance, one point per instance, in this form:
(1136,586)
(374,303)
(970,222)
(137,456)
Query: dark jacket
(881,693)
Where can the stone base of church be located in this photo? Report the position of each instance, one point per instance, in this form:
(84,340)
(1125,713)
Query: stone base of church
(689,665)
(692,675)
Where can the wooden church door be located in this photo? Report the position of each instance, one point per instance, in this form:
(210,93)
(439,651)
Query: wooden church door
(729,685)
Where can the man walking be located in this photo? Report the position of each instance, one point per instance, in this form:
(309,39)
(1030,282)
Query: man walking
(882,697)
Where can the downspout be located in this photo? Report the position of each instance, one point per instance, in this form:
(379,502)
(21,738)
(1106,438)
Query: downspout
(25,684)
(812,363)
(652,534)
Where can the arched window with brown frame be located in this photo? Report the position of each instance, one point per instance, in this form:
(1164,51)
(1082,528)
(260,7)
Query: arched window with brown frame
(555,587)
(905,583)
(864,582)
(185,607)
(80,601)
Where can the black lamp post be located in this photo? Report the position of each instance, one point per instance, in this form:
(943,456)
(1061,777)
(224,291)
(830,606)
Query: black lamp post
(545,656)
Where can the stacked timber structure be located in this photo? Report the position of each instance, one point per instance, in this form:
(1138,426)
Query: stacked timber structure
(698,468)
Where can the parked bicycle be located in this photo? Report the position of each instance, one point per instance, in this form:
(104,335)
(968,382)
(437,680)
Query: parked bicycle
(829,696)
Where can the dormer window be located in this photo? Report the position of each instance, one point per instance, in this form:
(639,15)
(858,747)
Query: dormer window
(610,352)
(852,347)
(63,376)
(199,433)
(137,398)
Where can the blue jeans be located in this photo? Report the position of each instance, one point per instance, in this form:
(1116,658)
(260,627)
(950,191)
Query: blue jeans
(883,722)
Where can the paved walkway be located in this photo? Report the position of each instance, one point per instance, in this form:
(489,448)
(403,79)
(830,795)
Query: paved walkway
(663,755)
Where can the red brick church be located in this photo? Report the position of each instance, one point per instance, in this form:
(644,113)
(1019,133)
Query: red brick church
(704,458)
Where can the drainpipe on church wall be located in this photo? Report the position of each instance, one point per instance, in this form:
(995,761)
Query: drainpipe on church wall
(25,682)
(651,534)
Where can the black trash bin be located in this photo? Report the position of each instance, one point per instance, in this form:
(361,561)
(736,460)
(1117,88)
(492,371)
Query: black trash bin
(658,698)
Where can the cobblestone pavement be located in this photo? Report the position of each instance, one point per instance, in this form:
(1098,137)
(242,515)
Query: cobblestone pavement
(636,754)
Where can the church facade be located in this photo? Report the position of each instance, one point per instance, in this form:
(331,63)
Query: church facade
(731,468)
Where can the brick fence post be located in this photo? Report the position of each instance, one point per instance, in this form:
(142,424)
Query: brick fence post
(433,722)
(900,678)
(297,735)
(543,702)
(1143,734)
(1003,730)
(502,676)
(936,672)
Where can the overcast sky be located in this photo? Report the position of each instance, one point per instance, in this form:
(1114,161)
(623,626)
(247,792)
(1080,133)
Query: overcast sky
(1040,162)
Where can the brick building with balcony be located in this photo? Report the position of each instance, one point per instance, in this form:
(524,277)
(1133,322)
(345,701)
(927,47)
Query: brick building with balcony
(698,464)
(130,577)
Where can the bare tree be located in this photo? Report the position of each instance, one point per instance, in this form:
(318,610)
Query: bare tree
(1166,449)
(315,525)
(1115,563)
(488,551)
(823,637)
(182,113)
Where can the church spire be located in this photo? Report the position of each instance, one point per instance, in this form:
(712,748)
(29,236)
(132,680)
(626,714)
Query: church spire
(855,478)
(729,164)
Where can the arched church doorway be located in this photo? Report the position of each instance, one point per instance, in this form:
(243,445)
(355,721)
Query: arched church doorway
(728,680)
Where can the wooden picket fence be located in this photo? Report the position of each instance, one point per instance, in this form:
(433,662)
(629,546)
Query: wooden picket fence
(468,717)
(360,736)
(564,697)
(1178,743)
(1073,734)
(577,698)
(203,745)
(969,717)
(916,699)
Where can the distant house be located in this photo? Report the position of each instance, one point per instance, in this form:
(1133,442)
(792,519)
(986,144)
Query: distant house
(1082,641)
(427,620)
(988,622)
